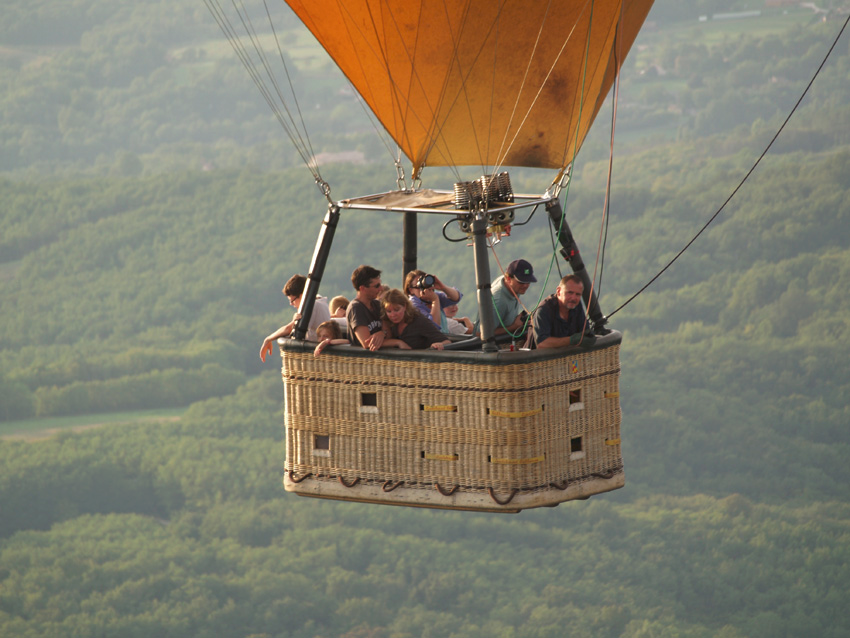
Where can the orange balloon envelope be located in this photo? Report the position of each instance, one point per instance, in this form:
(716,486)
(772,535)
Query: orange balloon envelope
(487,83)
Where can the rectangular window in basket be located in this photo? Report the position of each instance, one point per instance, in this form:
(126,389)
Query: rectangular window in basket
(368,403)
(576,402)
(321,445)
(576,448)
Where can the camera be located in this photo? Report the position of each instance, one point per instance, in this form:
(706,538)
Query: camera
(425,281)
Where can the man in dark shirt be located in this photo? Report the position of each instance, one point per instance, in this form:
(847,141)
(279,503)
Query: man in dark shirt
(365,327)
(560,320)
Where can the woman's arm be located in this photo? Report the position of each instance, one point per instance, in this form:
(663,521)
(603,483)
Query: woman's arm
(395,343)
(451,293)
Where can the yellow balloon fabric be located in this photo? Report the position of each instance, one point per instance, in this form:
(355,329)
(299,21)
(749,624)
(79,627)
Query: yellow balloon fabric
(485,83)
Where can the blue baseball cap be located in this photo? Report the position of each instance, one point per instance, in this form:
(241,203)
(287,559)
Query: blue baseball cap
(521,270)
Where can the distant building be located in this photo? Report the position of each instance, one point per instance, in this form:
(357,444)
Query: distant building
(737,15)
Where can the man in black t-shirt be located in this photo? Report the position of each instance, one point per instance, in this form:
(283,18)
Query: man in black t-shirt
(560,321)
(365,327)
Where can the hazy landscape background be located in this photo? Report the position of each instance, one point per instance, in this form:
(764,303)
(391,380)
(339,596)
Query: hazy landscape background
(151,209)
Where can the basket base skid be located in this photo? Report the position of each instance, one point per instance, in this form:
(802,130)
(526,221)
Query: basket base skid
(467,500)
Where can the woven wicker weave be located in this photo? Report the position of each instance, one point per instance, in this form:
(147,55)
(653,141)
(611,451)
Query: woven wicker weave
(501,431)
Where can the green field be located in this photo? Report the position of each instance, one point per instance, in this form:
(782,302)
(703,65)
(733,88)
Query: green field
(40,428)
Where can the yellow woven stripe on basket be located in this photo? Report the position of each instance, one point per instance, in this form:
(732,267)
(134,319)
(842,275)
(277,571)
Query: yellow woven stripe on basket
(612,441)
(612,395)
(536,459)
(516,415)
(440,457)
(439,408)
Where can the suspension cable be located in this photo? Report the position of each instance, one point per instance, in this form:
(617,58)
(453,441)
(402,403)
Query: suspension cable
(565,172)
(273,95)
(606,208)
(746,177)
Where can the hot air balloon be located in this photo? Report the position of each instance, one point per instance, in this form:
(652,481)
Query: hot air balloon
(467,83)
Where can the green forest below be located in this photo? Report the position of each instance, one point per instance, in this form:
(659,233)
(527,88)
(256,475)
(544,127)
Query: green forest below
(151,210)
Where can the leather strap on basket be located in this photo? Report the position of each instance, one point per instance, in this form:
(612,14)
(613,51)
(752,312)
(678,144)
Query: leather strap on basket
(352,484)
(295,479)
(449,493)
(604,475)
(496,498)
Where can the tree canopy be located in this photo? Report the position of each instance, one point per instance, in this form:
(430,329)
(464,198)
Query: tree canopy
(151,214)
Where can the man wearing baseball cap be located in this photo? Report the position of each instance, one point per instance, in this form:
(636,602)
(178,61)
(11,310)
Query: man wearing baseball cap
(506,291)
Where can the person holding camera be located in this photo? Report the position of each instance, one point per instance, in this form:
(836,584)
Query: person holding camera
(430,296)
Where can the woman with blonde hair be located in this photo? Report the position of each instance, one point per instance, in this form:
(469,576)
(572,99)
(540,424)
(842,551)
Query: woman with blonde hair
(407,328)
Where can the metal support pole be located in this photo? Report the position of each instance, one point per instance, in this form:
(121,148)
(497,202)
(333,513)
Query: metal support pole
(486,316)
(572,255)
(409,241)
(317,269)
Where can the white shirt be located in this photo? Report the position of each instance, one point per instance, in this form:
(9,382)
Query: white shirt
(455,327)
(321,314)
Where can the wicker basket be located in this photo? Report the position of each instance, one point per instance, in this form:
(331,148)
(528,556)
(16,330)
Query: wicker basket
(500,431)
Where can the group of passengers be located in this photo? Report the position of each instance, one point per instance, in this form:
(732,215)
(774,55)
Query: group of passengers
(424,313)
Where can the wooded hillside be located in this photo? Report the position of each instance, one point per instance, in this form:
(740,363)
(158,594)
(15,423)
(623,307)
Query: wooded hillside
(151,210)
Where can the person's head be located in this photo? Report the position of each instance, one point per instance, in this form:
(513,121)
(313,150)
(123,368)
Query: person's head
(396,307)
(519,275)
(294,288)
(328,330)
(569,291)
(450,311)
(366,281)
(337,306)
(410,281)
